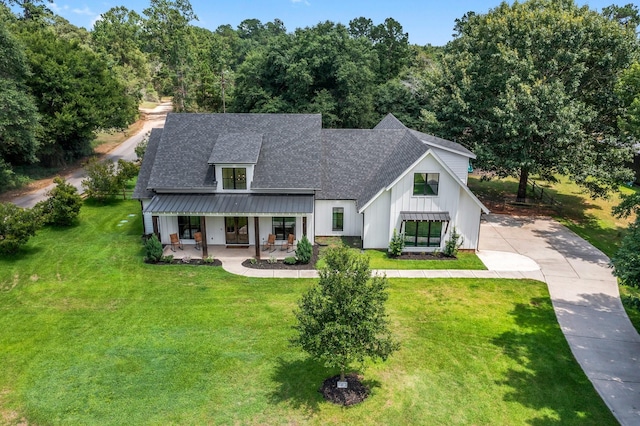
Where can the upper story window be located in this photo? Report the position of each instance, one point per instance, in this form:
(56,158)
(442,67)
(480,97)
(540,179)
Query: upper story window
(234,178)
(426,183)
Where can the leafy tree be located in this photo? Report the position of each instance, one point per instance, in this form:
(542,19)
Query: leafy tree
(17,225)
(626,262)
(18,114)
(627,15)
(167,34)
(63,205)
(76,92)
(100,182)
(530,88)
(342,319)
(118,34)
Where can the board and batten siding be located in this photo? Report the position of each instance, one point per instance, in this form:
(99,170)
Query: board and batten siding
(147,220)
(467,221)
(352,220)
(459,164)
(375,234)
(402,198)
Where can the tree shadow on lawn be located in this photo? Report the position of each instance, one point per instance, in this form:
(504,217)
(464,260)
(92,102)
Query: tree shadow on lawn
(299,382)
(547,379)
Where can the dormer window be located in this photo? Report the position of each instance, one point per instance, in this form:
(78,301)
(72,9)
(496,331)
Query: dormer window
(234,178)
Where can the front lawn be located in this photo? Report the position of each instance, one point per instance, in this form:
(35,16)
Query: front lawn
(91,335)
(380,260)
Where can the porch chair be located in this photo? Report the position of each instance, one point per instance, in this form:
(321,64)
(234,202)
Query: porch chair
(271,243)
(176,241)
(198,237)
(289,243)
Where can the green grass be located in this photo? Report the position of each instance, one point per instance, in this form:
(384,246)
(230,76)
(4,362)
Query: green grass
(91,335)
(380,260)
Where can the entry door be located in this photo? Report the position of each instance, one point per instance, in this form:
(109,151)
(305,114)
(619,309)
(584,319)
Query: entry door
(237,229)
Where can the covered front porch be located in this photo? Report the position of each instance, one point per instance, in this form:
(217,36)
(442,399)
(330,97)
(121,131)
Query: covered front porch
(226,224)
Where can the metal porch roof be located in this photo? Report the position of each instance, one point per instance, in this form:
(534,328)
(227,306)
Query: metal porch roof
(426,216)
(230,204)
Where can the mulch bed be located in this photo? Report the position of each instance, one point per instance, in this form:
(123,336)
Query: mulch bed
(355,393)
(424,256)
(265,264)
(216,262)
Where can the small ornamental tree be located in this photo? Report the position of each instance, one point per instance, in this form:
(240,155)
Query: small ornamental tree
(17,225)
(100,182)
(304,251)
(342,319)
(153,249)
(63,205)
(396,245)
(453,244)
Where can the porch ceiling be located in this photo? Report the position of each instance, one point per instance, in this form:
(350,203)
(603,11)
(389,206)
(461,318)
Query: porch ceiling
(227,204)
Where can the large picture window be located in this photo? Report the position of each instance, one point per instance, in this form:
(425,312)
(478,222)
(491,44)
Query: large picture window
(188,226)
(283,226)
(234,178)
(426,183)
(422,234)
(338,219)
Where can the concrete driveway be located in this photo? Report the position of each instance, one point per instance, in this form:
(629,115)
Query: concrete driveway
(125,151)
(586,301)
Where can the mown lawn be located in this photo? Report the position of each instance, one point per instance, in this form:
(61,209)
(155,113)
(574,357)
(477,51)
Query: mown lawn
(91,335)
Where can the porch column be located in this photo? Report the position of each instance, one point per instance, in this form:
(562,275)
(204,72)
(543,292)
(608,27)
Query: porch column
(256,222)
(203,227)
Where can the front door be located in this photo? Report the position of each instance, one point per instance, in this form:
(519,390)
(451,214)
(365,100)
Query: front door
(237,229)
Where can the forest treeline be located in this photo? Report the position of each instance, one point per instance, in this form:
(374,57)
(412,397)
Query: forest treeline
(59,83)
(540,86)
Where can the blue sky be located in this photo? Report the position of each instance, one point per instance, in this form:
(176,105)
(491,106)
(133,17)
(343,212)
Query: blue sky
(426,21)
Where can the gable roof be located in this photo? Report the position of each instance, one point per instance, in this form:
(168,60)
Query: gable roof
(141,191)
(287,158)
(238,148)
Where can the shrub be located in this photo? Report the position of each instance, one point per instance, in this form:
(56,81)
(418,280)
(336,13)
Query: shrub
(626,261)
(17,225)
(209,259)
(63,205)
(304,251)
(100,182)
(254,261)
(631,301)
(396,245)
(167,259)
(272,260)
(452,245)
(141,147)
(153,248)
(291,260)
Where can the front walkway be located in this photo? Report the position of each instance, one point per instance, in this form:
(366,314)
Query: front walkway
(584,294)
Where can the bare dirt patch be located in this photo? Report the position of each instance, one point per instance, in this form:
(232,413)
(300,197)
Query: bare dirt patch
(355,392)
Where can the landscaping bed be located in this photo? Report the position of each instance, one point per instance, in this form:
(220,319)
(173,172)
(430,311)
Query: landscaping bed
(185,261)
(279,264)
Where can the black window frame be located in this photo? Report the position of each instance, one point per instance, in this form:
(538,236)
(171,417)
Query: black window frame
(279,226)
(422,187)
(190,224)
(337,219)
(432,239)
(237,180)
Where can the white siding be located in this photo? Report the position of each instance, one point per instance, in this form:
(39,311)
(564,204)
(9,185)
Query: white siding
(459,164)
(324,218)
(467,221)
(147,221)
(215,230)
(376,223)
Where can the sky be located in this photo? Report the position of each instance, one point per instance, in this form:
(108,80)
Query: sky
(426,21)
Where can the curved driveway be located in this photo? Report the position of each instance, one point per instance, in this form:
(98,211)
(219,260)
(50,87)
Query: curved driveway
(586,301)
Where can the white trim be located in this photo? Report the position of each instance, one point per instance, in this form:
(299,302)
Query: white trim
(444,148)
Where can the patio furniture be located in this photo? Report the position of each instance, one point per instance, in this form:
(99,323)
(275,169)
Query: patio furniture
(198,237)
(289,243)
(176,241)
(271,243)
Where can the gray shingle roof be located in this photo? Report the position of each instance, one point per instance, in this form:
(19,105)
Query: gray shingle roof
(141,190)
(288,155)
(293,153)
(236,148)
